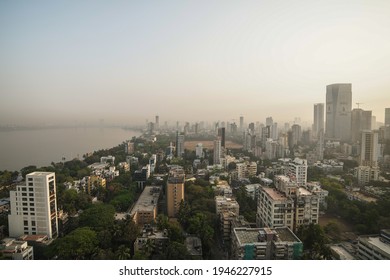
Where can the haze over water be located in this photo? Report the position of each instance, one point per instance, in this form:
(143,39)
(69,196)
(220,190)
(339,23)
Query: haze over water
(20,148)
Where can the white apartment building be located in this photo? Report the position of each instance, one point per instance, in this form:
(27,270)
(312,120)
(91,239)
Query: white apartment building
(246,170)
(298,171)
(286,205)
(274,209)
(34,206)
(365,174)
(16,249)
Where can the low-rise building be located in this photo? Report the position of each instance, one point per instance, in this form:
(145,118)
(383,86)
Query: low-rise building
(144,210)
(265,244)
(226,204)
(16,249)
(194,247)
(152,241)
(374,247)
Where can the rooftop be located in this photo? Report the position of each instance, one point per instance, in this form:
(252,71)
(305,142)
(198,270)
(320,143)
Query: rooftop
(303,191)
(250,235)
(147,200)
(285,234)
(274,194)
(375,241)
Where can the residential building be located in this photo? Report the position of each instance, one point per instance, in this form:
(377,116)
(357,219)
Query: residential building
(194,247)
(338,112)
(34,206)
(360,120)
(152,241)
(296,134)
(387,116)
(369,148)
(14,249)
(226,204)
(179,144)
(319,123)
(175,190)
(365,174)
(199,150)
(286,205)
(297,171)
(144,210)
(374,247)
(265,244)
(217,151)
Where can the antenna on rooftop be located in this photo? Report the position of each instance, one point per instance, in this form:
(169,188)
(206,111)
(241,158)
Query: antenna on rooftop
(358,104)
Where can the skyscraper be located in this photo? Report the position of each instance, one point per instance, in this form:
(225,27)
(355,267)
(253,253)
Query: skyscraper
(34,206)
(369,148)
(241,124)
(318,123)
(338,111)
(360,120)
(217,151)
(179,144)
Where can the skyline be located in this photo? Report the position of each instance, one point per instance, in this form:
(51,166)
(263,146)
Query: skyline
(126,62)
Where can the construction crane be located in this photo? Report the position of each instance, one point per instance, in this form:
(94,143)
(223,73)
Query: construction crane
(358,104)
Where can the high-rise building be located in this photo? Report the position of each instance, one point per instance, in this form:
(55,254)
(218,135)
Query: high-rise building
(241,123)
(361,120)
(175,190)
(298,171)
(387,116)
(221,135)
(34,206)
(199,150)
(157,123)
(179,144)
(296,133)
(338,111)
(217,151)
(286,205)
(369,148)
(318,123)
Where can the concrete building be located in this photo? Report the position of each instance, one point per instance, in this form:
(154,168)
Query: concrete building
(286,205)
(365,174)
(296,134)
(387,116)
(265,244)
(129,147)
(217,155)
(374,247)
(34,206)
(338,112)
(16,249)
(226,204)
(318,123)
(369,148)
(199,150)
(175,190)
(144,210)
(179,144)
(360,120)
(297,171)
(152,241)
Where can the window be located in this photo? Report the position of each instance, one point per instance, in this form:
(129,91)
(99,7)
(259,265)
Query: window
(30,189)
(32,209)
(25,223)
(31,199)
(32,204)
(24,189)
(24,194)
(33,223)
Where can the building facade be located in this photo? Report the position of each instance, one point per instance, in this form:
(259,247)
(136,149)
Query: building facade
(34,206)
(338,112)
(175,190)
(318,123)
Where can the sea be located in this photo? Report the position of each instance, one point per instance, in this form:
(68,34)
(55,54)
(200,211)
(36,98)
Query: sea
(40,147)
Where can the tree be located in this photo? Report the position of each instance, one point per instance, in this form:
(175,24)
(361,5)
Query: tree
(314,242)
(98,217)
(78,245)
(123,253)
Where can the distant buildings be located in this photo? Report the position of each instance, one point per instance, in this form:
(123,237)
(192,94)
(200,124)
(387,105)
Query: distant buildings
(387,116)
(360,120)
(368,169)
(34,206)
(338,112)
(318,124)
(199,150)
(179,144)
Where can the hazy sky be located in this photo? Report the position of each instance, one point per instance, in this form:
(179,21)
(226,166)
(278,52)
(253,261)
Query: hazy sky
(189,60)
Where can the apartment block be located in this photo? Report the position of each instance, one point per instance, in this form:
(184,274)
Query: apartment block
(175,190)
(265,244)
(16,249)
(145,209)
(34,206)
(374,247)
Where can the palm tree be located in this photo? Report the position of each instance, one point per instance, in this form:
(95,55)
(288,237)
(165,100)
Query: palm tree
(123,253)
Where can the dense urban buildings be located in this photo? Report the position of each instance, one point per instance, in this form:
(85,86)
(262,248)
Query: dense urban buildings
(319,123)
(175,190)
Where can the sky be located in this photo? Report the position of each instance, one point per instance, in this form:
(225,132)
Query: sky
(127,61)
